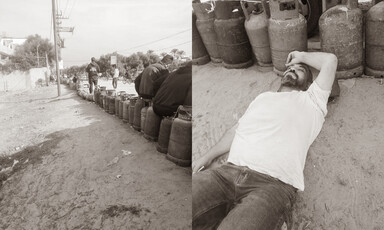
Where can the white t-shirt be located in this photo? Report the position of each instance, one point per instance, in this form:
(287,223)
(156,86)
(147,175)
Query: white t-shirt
(276,131)
(116,73)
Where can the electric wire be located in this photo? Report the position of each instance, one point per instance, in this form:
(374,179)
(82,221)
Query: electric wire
(154,41)
(66,7)
(73,5)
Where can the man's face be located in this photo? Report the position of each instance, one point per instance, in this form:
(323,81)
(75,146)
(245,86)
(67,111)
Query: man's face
(295,76)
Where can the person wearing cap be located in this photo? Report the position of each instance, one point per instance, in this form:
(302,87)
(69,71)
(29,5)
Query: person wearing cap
(93,71)
(257,186)
(149,81)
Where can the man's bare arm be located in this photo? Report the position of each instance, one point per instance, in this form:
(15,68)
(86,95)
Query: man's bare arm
(326,63)
(223,146)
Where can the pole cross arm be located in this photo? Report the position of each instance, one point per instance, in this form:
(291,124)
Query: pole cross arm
(66,29)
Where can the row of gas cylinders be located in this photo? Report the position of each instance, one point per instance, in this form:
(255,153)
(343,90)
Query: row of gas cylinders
(69,82)
(236,32)
(173,134)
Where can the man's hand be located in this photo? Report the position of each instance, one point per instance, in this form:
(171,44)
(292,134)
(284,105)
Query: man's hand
(294,57)
(204,161)
(223,146)
(326,63)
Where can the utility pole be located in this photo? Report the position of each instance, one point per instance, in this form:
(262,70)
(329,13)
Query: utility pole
(61,29)
(56,47)
(37,54)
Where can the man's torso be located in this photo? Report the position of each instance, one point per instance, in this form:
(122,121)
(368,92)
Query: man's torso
(276,131)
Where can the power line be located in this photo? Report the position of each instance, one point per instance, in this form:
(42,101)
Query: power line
(74,3)
(155,40)
(174,45)
(66,7)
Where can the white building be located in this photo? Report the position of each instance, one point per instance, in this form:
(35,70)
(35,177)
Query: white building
(7,47)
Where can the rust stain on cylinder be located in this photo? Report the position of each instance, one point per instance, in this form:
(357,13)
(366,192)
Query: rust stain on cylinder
(257,31)
(341,34)
(286,36)
(232,40)
(199,52)
(205,26)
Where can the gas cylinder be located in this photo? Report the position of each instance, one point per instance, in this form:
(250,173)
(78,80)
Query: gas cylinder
(102,93)
(374,42)
(110,94)
(106,103)
(205,25)
(287,32)
(89,97)
(126,111)
(199,53)
(232,40)
(341,33)
(164,132)
(256,25)
(180,139)
(123,98)
(97,94)
(137,114)
(143,117)
(152,125)
(117,105)
(131,110)
(112,103)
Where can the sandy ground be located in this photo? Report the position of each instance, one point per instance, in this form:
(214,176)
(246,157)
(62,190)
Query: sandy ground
(72,173)
(345,165)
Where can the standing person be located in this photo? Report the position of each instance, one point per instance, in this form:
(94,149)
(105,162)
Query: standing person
(115,76)
(256,188)
(149,81)
(93,71)
(175,91)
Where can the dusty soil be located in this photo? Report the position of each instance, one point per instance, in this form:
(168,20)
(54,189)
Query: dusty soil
(69,170)
(345,165)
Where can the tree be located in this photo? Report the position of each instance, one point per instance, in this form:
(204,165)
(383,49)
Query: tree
(153,57)
(32,53)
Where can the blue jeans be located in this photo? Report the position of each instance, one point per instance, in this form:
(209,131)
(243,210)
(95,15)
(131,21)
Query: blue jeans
(236,197)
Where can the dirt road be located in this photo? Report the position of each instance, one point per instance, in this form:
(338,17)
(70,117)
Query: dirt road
(70,171)
(345,165)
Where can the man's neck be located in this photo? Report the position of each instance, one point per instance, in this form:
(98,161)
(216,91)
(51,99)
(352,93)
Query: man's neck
(287,89)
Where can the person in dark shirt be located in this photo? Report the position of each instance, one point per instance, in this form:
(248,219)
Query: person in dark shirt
(93,70)
(149,81)
(176,90)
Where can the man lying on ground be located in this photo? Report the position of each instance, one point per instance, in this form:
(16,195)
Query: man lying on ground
(256,188)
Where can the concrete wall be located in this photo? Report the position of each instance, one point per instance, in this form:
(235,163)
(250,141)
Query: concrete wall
(22,80)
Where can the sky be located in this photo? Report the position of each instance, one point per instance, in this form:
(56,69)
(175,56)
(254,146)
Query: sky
(103,26)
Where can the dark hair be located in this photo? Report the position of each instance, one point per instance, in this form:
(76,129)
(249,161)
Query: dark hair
(167,57)
(114,65)
(308,73)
